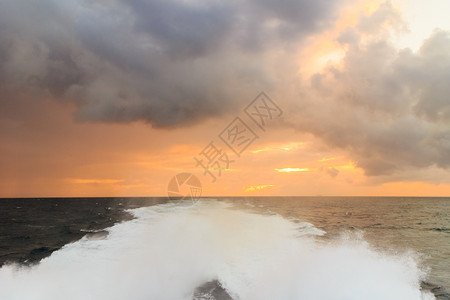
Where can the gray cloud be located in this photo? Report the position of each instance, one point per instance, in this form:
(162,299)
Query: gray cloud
(174,63)
(389,108)
(333,172)
(169,63)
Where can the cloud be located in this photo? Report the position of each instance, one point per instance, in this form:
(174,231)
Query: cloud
(169,63)
(333,172)
(381,20)
(389,108)
(174,63)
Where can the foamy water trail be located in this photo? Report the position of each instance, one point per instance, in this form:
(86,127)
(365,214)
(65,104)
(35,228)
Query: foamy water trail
(170,249)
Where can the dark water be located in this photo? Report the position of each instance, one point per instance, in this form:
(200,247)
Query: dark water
(31,229)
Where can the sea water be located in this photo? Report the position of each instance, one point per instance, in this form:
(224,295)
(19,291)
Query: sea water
(256,248)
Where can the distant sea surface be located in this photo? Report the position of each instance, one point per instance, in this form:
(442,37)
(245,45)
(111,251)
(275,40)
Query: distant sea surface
(225,248)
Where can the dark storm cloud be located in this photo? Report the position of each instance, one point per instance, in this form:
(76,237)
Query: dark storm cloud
(183,29)
(172,63)
(389,108)
(169,63)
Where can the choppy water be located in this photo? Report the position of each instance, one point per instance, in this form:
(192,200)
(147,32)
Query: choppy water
(248,248)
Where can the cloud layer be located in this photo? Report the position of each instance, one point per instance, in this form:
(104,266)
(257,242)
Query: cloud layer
(167,62)
(173,63)
(389,108)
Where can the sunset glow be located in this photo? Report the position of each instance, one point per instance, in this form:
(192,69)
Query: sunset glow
(288,170)
(116,107)
(258,187)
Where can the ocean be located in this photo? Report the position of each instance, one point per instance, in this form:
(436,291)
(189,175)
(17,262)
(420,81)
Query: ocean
(225,248)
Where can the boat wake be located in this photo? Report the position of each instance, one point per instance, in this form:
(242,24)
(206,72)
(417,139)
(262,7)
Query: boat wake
(211,250)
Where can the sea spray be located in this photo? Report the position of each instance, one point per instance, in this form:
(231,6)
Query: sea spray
(168,250)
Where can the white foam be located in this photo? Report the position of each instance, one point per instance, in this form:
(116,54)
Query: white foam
(170,249)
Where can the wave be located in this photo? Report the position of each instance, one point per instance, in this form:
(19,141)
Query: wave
(169,250)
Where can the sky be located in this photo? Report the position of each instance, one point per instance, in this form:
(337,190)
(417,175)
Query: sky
(115,98)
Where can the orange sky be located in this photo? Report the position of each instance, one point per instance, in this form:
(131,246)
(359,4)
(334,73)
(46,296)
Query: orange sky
(85,159)
(46,152)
